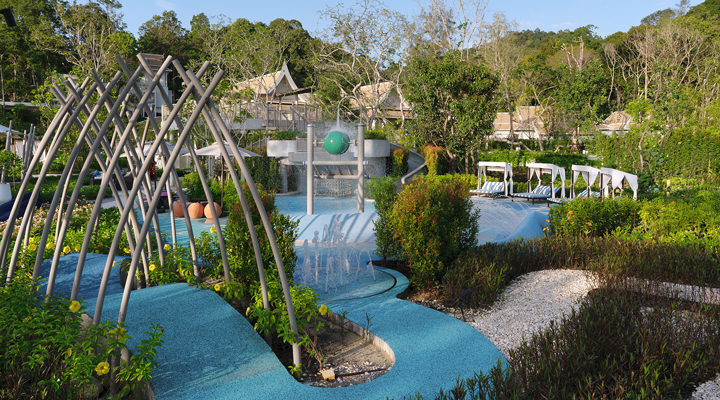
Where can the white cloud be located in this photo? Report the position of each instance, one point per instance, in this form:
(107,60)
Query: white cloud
(564,25)
(527,25)
(165,5)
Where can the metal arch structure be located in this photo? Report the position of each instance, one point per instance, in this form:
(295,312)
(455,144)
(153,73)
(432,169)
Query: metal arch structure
(76,109)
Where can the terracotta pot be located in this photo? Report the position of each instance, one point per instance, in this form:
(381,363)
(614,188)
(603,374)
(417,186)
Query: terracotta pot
(195,210)
(177,209)
(208,212)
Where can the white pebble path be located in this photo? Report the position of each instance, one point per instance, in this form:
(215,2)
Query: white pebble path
(530,302)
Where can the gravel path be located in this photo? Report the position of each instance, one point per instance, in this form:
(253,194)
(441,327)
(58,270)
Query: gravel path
(532,301)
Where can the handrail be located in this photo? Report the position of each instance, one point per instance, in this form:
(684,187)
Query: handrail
(415,156)
(411,174)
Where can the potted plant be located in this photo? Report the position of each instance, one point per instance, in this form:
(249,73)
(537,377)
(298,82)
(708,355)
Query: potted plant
(8,161)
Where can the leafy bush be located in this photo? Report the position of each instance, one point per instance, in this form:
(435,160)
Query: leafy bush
(275,320)
(384,191)
(50,186)
(241,256)
(194,189)
(375,134)
(47,353)
(9,164)
(100,242)
(625,351)
(594,216)
(287,135)
(469,181)
(400,162)
(434,161)
(614,345)
(684,217)
(264,170)
(420,209)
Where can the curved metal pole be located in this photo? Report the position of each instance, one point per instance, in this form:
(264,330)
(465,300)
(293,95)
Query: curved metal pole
(236,181)
(103,186)
(130,199)
(76,192)
(263,215)
(10,226)
(38,185)
(163,178)
(166,153)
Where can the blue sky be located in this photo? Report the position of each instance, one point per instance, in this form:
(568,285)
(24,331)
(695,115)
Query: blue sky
(609,16)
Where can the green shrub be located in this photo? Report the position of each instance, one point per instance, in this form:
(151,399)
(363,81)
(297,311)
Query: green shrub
(375,134)
(287,135)
(613,348)
(400,162)
(489,268)
(433,222)
(683,218)
(265,170)
(46,353)
(193,187)
(275,320)
(241,256)
(594,217)
(10,164)
(469,181)
(384,191)
(434,160)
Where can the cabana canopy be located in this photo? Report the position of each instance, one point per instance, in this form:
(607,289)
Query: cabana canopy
(612,179)
(214,150)
(552,169)
(589,175)
(505,168)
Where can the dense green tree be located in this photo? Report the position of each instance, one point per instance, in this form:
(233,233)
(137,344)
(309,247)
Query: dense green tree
(453,102)
(164,35)
(23,65)
(89,36)
(581,94)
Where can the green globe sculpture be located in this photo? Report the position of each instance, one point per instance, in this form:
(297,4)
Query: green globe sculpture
(337,142)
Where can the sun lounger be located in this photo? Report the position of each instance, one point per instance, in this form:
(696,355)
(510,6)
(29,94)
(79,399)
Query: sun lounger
(541,192)
(492,189)
(582,195)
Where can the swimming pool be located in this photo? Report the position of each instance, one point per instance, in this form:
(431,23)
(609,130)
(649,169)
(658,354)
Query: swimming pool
(500,219)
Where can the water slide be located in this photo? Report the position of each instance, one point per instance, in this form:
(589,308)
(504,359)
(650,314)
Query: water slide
(416,164)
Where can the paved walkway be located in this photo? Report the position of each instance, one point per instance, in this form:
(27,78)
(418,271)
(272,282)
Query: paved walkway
(211,352)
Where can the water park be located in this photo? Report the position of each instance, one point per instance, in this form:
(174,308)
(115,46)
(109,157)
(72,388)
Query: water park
(434,284)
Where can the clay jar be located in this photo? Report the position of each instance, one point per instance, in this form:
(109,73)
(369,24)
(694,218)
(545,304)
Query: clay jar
(208,211)
(195,210)
(177,210)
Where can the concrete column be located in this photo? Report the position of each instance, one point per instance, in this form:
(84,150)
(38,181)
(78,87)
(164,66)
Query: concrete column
(361,167)
(310,169)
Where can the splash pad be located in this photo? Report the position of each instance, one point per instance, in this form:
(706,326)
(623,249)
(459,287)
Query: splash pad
(337,269)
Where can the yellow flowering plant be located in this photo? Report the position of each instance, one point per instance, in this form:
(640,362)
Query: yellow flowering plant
(54,356)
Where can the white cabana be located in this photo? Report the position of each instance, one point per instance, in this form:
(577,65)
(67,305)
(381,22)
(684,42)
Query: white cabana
(611,179)
(540,168)
(589,175)
(505,168)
